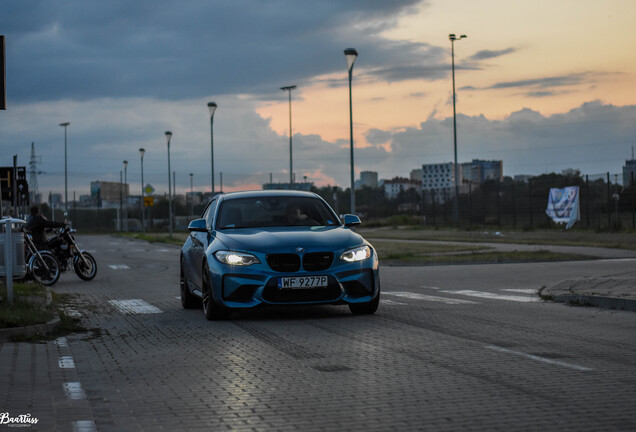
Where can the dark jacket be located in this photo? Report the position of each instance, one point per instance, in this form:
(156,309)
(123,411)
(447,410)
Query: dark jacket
(36,226)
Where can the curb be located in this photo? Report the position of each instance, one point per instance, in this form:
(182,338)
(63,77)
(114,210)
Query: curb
(557,293)
(600,302)
(5,334)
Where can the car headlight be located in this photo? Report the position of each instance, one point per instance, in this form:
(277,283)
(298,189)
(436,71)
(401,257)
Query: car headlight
(358,254)
(236,258)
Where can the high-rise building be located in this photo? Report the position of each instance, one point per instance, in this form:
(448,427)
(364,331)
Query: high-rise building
(369,179)
(629,172)
(478,171)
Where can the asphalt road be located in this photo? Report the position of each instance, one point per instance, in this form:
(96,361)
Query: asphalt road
(461,347)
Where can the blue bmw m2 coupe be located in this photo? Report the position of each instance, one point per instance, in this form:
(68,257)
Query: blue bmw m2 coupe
(276,248)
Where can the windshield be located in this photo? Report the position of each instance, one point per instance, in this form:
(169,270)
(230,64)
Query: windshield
(274,211)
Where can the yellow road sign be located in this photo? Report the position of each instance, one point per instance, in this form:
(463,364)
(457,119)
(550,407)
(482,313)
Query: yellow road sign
(149,201)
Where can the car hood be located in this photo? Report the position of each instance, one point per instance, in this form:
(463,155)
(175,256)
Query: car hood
(287,239)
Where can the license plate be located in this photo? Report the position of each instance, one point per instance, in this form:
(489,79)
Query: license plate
(302,282)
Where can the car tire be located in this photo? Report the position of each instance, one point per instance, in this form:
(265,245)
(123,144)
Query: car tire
(367,308)
(188,300)
(211,310)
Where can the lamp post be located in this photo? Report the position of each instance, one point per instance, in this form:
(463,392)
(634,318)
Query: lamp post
(126,195)
(65,125)
(351,54)
(143,217)
(191,195)
(168,137)
(291,170)
(453,38)
(212,107)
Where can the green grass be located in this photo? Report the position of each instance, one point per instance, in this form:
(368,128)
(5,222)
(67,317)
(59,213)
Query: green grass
(32,305)
(622,240)
(480,258)
(29,306)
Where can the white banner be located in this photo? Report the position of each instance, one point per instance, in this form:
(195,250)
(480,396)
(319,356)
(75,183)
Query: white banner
(563,205)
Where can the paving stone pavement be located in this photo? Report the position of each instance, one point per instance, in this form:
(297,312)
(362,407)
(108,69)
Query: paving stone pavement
(416,366)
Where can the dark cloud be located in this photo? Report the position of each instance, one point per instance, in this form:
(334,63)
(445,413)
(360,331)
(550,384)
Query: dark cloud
(594,138)
(488,54)
(546,82)
(175,50)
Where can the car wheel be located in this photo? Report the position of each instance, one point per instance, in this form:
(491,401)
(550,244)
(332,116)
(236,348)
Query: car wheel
(211,310)
(367,308)
(188,300)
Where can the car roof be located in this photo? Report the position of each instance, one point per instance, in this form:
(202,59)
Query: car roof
(266,193)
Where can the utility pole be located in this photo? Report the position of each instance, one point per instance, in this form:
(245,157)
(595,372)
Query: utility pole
(33,175)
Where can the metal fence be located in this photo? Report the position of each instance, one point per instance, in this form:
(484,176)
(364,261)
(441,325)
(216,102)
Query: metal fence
(603,205)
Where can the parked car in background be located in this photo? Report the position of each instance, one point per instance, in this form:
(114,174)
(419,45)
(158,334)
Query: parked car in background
(276,248)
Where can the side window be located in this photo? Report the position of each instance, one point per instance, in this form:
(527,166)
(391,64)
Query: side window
(209,214)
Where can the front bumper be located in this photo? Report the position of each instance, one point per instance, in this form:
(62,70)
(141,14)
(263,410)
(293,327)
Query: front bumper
(244,287)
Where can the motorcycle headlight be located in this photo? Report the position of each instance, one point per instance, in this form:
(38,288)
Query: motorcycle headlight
(236,258)
(358,254)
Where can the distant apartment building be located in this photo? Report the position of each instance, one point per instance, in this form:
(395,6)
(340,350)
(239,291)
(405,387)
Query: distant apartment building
(109,194)
(478,171)
(629,172)
(437,180)
(368,179)
(393,187)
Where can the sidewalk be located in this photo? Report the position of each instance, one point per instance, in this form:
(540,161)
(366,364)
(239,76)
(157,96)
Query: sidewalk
(607,293)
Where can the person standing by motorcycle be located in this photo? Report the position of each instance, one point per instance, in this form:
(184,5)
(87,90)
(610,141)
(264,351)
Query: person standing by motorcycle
(36,226)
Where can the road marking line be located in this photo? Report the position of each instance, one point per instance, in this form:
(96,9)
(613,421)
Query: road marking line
(61,342)
(391,302)
(540,359)
(84,426)
(74,390)
(135,306)
(66,362)
(118,266)
(522,290)
(494,296)
(163,250)
(430,287)
(416,296)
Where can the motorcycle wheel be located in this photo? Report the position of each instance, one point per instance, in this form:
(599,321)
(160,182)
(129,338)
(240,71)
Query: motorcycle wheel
(83,271)
(38,268)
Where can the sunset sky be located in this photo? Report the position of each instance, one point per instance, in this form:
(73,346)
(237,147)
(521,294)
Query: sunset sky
(542,85)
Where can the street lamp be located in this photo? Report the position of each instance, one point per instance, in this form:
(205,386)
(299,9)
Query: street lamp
(351,54)
(143,217)
(453,38)
(168,137)
(65,125)
(126,195)
(212,107)
(291,170)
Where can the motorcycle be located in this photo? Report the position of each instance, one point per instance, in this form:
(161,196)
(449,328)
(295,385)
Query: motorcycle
(66,251)
(42,266)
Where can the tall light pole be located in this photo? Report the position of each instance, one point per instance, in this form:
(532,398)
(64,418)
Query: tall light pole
(143,217)
(65,125)
(126,195)
(212,107)
(168,137)
(191,194)
(351,54)
(291,170)
(453,38)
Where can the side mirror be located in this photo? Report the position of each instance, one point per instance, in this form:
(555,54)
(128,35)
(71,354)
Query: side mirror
(351,220)
(198,225)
